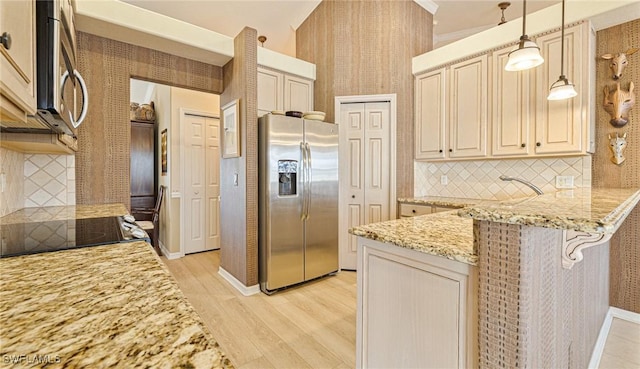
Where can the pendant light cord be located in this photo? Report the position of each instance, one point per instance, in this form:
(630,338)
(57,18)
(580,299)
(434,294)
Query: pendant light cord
(524,22)
(562,45)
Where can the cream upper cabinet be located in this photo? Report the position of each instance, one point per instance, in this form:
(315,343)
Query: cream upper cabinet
(561,125)
(522,121)
(468,108)
(298,94)
(511,108)
(430,118)
(270,91)
(17,85)
(281,91)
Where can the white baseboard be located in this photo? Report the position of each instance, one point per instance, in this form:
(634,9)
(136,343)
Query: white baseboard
(167,254)
(247,291)
(598,349)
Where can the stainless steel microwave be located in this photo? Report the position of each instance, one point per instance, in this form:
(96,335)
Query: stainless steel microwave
(62,98)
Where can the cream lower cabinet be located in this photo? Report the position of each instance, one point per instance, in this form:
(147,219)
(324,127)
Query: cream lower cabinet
(414,310)
(17,69)
(451,111)
(282,91)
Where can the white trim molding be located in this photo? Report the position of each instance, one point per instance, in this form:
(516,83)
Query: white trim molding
(169,255)
(246,291)
(573,242)
(598,348)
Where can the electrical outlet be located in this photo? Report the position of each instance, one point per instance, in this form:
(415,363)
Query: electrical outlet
(444,180)
(564,181)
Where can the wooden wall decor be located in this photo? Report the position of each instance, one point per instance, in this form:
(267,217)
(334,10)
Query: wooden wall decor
(625,253)
(617,144)
(618,62)
(618,102)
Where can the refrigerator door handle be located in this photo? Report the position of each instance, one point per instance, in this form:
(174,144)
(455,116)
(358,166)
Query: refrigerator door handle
(308,177)
(303,180)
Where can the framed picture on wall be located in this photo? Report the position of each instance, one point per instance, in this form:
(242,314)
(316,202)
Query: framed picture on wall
(163,151)
(231,129)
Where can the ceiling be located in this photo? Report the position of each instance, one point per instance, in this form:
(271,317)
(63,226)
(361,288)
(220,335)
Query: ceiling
(278,19)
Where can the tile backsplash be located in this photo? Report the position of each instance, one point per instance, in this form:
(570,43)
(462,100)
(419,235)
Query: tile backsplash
(11,171)
(479,179)
(49,180)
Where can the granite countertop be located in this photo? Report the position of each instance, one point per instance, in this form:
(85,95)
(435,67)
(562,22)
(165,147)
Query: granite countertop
(442,234)
(103,306)
(453,202)
(595,210)
(47,213)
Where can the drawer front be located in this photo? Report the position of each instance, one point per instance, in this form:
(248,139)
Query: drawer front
(408,210)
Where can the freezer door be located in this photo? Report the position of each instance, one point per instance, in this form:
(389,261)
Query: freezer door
(281,241)
(321,224)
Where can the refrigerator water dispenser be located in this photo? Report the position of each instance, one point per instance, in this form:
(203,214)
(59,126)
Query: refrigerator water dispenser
(287,177)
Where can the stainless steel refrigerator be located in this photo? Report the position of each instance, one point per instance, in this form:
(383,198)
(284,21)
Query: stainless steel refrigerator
(298,200)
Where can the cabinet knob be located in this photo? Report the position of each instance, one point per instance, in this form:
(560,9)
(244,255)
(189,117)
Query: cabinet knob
(523,145)
(5,39)
(353,196)
(440,150)
(538,144)
(450,150)
(413,211)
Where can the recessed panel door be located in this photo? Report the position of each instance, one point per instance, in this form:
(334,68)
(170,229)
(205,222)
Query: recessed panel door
(364,171)
(195,184)
(212,168)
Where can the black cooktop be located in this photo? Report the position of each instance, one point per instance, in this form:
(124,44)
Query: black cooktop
(37,237)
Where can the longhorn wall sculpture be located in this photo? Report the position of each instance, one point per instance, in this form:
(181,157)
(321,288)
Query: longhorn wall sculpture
(618,62)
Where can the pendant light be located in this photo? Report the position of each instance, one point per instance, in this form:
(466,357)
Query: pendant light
(562,88)
(526,54)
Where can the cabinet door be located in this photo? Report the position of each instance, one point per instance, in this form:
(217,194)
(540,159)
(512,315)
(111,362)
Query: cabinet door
(413,310)
(559,124)
(511,108)
(430,119)
(17,84)
(270,91)
(298,94)
(468,108)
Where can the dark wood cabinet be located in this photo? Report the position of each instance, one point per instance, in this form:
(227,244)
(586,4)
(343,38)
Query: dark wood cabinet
(143,167)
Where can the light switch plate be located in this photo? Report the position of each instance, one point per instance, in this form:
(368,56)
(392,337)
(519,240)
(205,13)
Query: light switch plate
(444,180)
(564,181)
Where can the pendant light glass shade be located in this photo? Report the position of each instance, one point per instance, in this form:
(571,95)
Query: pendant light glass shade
(526,54)
(561,89)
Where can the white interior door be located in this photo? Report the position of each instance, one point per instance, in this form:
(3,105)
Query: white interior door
(365,191)
(201,195)
(212,165)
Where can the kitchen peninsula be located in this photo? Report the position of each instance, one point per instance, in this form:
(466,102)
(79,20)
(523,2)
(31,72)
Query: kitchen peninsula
(101,306)
(536,297)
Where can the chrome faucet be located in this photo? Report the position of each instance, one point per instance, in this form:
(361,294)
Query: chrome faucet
(528,184)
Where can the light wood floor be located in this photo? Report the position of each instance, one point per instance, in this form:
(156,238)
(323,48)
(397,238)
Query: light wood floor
(310,326)
(622,349)
(313,325)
